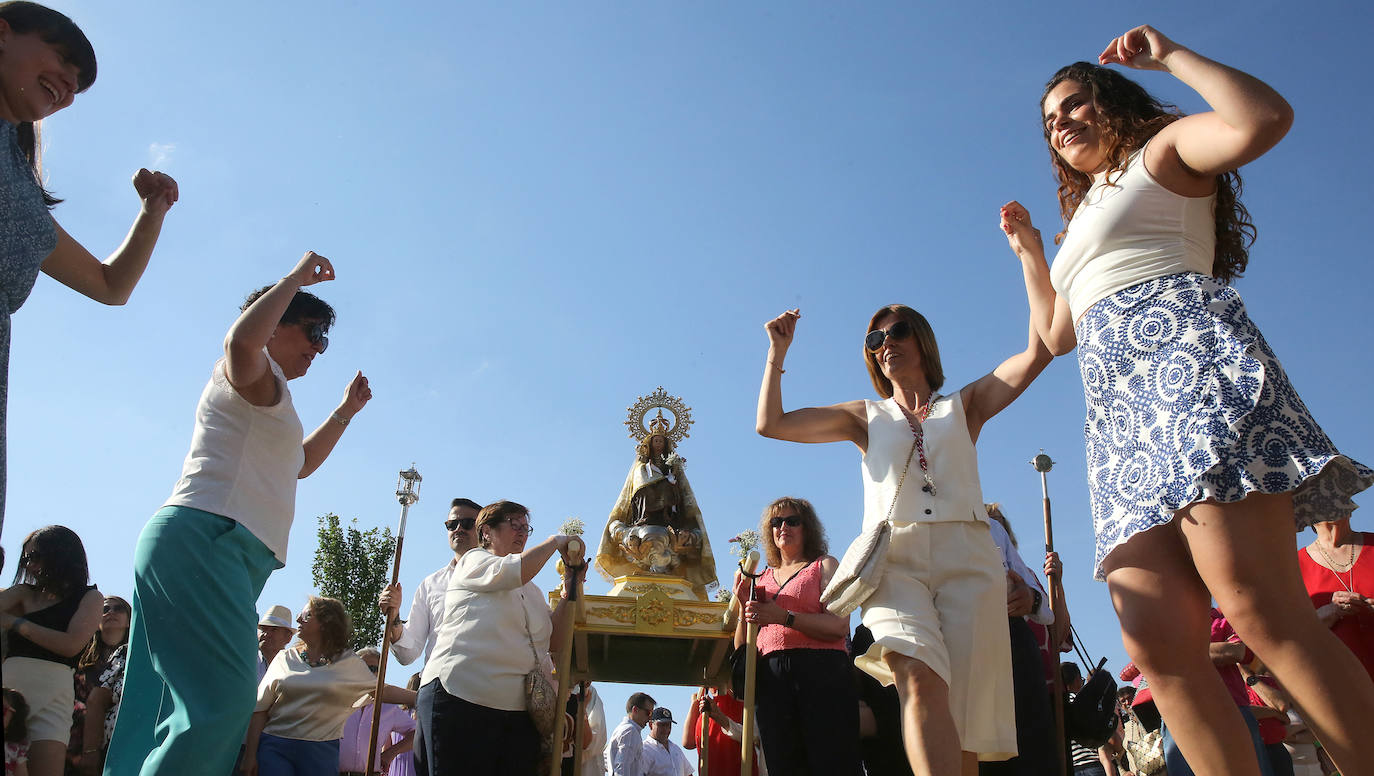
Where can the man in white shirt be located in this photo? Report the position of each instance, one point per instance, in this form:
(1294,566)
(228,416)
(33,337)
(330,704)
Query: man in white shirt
(662,757)
(625,753)
(274,633)
(410,637)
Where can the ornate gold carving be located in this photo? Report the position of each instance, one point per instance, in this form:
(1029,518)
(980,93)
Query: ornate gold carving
(625,614)
(660,400)
(655,612)
(686,618)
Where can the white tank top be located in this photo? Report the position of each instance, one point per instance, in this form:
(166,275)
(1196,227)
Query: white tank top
(1128,233)
(244,460)
(951,457)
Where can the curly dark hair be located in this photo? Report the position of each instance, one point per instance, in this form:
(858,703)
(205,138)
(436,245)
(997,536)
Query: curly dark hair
(814,543)
(18,729)
(304,307)
(1128,117)
(61,558)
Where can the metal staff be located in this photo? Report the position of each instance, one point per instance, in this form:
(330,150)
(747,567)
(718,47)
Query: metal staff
(564,667)
(751,639)
(407,492)
(1043,464)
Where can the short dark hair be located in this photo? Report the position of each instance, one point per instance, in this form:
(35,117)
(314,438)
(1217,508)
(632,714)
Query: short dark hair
(496,513)
(465,502)
(1069,672)
(639,700)
(61,558)
(304,306)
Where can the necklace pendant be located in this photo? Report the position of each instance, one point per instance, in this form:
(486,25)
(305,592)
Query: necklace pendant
(930,484)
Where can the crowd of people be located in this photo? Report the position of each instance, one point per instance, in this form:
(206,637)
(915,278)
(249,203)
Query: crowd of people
(1247,658)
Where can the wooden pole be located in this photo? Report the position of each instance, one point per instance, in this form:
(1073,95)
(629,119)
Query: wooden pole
(704,741)
(1056,628)
(564,665)
(386,647)
(751,639)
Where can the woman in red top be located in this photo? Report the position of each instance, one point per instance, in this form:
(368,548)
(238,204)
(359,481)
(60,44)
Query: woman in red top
(808,708)
(1339,577)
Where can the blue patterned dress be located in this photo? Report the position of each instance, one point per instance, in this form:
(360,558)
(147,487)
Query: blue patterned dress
(1186,402)
(27,236)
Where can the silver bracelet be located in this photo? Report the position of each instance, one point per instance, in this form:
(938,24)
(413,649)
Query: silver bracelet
(342,421)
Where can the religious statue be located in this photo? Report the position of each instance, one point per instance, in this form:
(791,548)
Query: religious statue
(655,525)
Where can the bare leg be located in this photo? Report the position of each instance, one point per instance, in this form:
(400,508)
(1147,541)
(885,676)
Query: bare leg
(1246,555)
(928,732)
(47,758)
(1164,611)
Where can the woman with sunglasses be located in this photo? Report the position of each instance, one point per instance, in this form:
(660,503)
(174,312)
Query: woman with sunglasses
(202,560)
(49,614)
(94,662)
(938,616)
(307,696)
(497,628)
(45,61)
(808,706)
(1197,480)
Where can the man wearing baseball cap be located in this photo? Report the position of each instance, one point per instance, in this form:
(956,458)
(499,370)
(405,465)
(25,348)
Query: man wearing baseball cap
(274,633)
(663,757)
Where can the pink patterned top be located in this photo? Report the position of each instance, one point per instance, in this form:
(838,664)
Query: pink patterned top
(800,594)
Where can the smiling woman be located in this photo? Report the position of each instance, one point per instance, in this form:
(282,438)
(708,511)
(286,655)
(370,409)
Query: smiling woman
(228,519)
(45,61)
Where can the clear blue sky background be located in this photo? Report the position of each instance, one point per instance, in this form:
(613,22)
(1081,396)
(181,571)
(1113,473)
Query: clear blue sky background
(540,211)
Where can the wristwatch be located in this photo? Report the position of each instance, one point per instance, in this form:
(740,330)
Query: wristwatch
(791,618)
(1036,599)
(1252,679)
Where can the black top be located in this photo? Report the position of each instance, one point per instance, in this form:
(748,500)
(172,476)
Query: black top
(57,616)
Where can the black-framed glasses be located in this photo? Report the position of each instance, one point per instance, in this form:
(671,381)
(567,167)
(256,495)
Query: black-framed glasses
(466,523)
(874,340)
(521,529)
(315,332)
(372,668)
(791,521)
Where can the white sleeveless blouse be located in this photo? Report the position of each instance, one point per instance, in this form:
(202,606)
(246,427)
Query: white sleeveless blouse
(950,454)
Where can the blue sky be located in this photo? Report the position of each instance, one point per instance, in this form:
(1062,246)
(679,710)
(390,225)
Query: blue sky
(540,211)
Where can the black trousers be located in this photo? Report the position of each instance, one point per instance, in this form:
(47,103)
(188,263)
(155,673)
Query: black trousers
(1035,739)
(465,739)
(808,712)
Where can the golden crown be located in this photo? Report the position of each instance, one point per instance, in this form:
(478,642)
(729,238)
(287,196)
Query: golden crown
(674,428)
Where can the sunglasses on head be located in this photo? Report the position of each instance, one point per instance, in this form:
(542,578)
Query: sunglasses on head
(315,333)
(791,521)
(874,340)
(466,523)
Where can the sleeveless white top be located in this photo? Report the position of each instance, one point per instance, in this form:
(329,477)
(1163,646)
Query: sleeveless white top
(244,460)
(949,452)
(1128,233)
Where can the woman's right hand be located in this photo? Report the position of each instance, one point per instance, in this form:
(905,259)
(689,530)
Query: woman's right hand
(1024,239)
(311,269)
(781,329)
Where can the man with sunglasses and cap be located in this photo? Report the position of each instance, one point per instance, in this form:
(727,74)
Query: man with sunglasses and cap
(663,757)
(274,633)
(418,633)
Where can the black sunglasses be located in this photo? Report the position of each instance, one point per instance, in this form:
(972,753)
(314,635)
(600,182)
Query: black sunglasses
(372,668)
(791,521)
(466,523)
(874,340)
(107,608)
(315,333)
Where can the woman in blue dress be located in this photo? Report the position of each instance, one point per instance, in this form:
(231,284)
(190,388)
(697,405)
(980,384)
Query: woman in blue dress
(1201,456)
(45,61)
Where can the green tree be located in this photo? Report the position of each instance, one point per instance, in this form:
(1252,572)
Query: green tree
(353,566)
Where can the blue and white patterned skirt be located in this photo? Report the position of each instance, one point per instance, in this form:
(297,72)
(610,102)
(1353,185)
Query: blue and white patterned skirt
(1186,402)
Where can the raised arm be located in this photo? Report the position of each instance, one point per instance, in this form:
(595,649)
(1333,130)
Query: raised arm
(1049,313)
(990,394)
(836,423)
(245,363)
(112,281)
(1247,118)
(321,441)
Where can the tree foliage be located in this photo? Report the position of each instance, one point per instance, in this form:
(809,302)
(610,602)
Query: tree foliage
(353,566)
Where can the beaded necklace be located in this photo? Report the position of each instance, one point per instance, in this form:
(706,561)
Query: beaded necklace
(915,421)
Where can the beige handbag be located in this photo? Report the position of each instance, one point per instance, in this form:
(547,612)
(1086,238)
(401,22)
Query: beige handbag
(861,568)
(541,697)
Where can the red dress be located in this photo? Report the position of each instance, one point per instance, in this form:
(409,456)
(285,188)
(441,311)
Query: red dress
(724,754)
(1356,630)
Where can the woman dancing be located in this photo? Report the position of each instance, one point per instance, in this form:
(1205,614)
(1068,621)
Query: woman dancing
(1201,456)
(202,559)
(939,614)
(45,61)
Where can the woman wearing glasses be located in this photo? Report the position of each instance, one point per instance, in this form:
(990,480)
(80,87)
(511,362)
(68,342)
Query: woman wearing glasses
(938,616)
(202,560)
(807,704)
(496,629)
